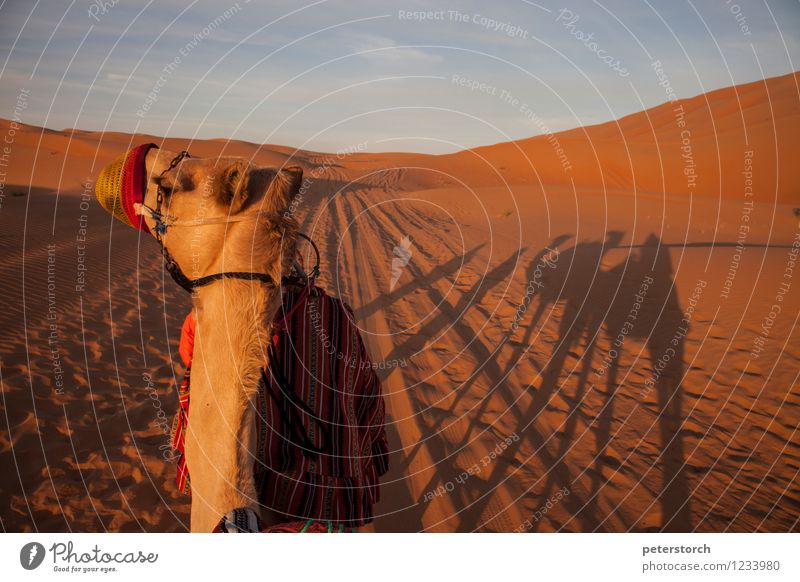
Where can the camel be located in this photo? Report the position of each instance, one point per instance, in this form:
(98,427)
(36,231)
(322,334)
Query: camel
(223,215)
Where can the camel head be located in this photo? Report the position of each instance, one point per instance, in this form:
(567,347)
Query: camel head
(217,214)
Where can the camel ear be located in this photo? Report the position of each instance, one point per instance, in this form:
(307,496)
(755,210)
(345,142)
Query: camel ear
(233,185)
(284,187)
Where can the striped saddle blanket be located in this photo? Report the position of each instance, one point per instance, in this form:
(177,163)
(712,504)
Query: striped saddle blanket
(320,415)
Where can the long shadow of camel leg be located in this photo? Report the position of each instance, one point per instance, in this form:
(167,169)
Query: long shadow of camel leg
(584,254)
(451,315)
(603,432)
(566,440)
(558,471)
(536,270)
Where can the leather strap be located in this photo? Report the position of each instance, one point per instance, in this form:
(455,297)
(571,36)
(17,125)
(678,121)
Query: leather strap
(191,284)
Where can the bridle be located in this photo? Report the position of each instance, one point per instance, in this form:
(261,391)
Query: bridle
(163,221)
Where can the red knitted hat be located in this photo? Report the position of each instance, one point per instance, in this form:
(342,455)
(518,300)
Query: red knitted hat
(122,184)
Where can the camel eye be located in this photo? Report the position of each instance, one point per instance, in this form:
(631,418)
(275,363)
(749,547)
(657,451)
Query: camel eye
(164,185)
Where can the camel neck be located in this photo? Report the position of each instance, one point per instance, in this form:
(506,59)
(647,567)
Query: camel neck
(233,320)
(231,339)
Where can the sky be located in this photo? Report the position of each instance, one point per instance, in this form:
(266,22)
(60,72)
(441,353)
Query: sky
(357,75)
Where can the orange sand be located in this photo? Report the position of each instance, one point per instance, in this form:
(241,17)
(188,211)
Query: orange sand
(537,366)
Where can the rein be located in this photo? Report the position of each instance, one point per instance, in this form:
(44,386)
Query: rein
(163,221)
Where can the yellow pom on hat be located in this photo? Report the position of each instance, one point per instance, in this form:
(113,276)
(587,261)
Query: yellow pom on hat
(108,189)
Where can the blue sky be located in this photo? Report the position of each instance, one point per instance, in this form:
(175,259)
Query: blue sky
(375,75)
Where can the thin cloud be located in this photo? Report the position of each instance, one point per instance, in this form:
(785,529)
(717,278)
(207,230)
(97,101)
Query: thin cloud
(384,50)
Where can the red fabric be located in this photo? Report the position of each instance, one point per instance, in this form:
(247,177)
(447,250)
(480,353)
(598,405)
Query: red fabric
(134,174)
(179,433)
(297,527)
(322,357)
(305,527)
(186,346)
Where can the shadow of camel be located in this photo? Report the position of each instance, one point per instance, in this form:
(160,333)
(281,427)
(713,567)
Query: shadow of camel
(553,276)
(634,299)
(593,301)
(447,316)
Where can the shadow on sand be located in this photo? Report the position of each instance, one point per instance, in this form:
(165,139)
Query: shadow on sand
(592,301)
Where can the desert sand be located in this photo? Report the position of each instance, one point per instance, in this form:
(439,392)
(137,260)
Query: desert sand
(594,331)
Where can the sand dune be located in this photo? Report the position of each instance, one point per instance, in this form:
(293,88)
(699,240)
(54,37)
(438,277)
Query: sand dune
(592,348)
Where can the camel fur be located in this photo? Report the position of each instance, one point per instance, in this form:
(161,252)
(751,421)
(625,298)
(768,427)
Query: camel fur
(232,316)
